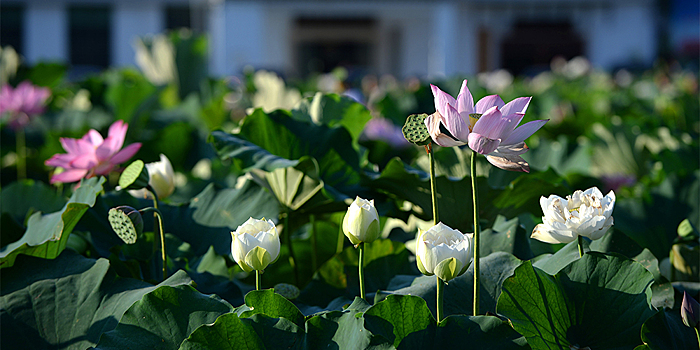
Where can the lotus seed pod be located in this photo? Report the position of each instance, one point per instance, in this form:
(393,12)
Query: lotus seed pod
(126,222)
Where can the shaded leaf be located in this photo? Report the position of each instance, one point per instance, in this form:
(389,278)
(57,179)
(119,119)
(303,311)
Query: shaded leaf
(343,329)
(68,302)
(46,235)
(599,301)
(271,304)
(400,317)
(163,318)
(458,293)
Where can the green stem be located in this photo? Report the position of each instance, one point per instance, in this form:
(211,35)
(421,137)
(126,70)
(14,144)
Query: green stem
(475,204)
(433,191)
(580,246)
(697,334)
(288,240)
(21,154)
(314,262)
(440,289)
(361,269)
(258,284)
(158,221)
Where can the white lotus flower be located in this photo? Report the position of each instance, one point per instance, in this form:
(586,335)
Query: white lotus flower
(161,177)
(443,251)
(255,244)
(586,213)
(361,221)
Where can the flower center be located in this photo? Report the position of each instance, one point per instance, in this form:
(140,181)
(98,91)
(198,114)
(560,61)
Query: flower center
(473,118)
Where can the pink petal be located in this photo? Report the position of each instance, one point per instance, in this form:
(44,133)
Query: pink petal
(69,175)
(482,144)
(514,149)
(518,105)
(524,131)
(488,102)
(465,101)
(84,161)
(108,148)
(117,131)
(60,160)
(93,137)
(433,122)
(508,162)
(443,101)
(126,153)
(75,146)
(494,125)
(458,127)
(103,168)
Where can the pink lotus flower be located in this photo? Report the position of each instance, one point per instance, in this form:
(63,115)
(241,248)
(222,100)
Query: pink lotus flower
(19,105)
(489,127)
(92,155)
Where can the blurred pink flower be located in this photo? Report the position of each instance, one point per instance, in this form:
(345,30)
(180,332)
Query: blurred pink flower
(384,130)
(20,104)
(489,127)
(92,155)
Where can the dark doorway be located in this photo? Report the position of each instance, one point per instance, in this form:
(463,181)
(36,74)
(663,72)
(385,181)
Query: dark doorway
(531,46)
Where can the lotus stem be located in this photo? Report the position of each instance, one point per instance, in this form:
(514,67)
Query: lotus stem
(440,290)
(475,204)
(158,222)
(288,240)
(433,191)
(20,138)
(580,246)
(361,269)
(258,284)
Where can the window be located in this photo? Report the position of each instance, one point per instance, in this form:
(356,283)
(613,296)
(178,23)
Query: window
(323,44)
(177,17)
(11,18)
(531,46)
(90,40)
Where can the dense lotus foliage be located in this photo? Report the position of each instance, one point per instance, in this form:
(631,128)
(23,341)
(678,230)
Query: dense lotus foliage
(298,153)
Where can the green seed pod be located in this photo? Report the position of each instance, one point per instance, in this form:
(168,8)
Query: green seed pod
(415,131)
(135,176)
(126,222)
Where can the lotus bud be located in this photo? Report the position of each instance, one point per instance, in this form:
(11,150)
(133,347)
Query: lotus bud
(361,222)
(255,244)
(126,222)
(443,251)
(690,311)
(161,178)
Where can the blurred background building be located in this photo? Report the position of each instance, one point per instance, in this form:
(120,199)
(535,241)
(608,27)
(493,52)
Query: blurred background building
(418,37)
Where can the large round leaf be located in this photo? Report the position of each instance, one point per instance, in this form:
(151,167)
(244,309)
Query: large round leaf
(338,276)
(271,304)
(163,318)
(495,268)
(405,322)
(269,141)
(599,301)
(342,329)
(47,234)
(666,331)
(65,303)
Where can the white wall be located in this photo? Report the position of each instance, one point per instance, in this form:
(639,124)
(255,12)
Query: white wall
(435,37)
(621,35)
(130,20)
(45,31)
